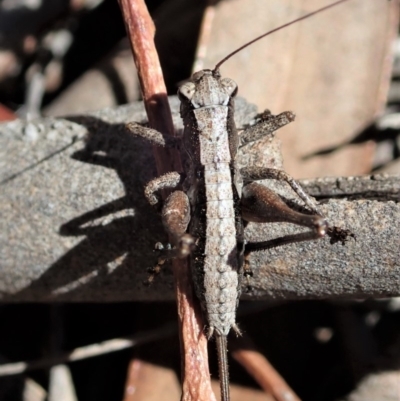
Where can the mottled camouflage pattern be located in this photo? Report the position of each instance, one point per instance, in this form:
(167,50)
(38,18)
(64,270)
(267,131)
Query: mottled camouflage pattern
(210,138)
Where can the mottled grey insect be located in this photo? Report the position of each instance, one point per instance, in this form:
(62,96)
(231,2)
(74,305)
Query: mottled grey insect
(213,198)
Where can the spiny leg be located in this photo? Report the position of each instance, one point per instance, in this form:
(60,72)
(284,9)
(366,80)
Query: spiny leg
(153,136)
(261,205)
(268,124)
(260,173)
(175,217)
(169,180)
(336,234)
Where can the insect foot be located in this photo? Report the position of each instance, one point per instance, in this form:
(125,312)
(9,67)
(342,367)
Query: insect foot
(183,248)
(338,234)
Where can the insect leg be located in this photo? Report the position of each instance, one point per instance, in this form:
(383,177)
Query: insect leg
(260,204)
(175,217)
(260,173)
(169,180)
(268,124)
(336,234)
(153,136)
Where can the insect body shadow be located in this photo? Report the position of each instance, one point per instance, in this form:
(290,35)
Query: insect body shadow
(109,261)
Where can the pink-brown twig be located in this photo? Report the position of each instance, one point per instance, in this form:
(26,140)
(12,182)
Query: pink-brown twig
(262,371)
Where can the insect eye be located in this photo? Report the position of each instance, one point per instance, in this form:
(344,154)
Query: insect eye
(197,75)
(230,86)
(186,91)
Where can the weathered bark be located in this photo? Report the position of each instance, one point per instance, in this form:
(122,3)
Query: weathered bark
(75,225)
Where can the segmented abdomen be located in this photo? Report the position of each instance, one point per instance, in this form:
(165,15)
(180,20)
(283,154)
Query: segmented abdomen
(221,266)
(215,259)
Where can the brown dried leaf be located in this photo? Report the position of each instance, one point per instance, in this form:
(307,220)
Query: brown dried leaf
(332,70)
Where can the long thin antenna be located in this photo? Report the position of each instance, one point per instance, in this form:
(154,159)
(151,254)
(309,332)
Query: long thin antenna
(275,30)
(222,351)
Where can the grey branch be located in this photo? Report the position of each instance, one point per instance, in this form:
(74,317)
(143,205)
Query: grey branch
(75,225)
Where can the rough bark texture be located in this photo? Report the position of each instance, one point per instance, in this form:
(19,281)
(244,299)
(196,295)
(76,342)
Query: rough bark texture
(75,225)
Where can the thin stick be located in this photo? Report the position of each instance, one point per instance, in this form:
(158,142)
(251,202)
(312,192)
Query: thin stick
(265,374)
(140,28)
